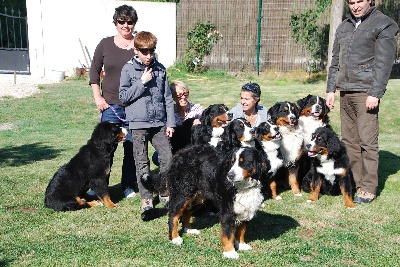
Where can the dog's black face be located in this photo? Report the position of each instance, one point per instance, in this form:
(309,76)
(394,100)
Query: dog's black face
(284,114)
(314,107)
(324,143)
(108,132)
(245,166)
(215,116)
(267,131)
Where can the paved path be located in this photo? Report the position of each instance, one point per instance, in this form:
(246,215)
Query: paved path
(20,86)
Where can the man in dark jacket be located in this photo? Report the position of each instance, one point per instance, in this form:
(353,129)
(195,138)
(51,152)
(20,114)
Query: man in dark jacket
(363,55)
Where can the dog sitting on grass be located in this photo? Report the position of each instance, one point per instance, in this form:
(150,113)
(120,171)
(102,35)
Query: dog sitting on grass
(90,168)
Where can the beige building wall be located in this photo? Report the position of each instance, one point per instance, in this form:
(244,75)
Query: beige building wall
(57,28)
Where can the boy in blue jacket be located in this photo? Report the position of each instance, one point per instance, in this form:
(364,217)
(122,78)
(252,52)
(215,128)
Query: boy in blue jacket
(145,91)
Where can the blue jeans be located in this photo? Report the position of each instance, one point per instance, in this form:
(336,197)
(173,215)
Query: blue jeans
(128,178)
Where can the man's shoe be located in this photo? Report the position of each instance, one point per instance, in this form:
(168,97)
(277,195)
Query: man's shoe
(147,204)
(364,197)
(129,192)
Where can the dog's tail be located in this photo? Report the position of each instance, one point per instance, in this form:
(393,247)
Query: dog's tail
(157,183)
(154,213)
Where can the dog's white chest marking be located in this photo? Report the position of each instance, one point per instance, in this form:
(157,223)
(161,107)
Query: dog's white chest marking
(247,202)
(292,142)
(328,170)
(216,136)
(271,149)
(309,125)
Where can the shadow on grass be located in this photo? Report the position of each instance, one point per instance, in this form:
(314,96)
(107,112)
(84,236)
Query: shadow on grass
(116,193)
(5,263)
(263,226)
(389,164)
(21,155)
(267,226)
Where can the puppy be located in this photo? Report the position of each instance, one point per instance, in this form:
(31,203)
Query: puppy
(90,168)
(285,115)
(331,172)
(268,139)
(213,120)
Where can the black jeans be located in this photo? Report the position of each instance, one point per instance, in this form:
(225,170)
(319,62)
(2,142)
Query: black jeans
(160,141)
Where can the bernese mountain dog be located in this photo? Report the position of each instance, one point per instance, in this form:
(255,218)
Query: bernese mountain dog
(330,173)
(213,120)
(199,173)
(268,139)
(313,114)
(238,133)
(89,168)
(285,115)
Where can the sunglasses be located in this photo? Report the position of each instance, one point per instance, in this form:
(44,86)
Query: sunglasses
(251,87)
(179,96)
(122,22)
(146,51)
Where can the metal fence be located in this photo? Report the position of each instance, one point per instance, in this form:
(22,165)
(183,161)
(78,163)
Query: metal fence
(236,20)
(14,55)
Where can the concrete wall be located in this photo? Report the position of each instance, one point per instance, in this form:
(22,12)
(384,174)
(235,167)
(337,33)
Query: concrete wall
(55,28)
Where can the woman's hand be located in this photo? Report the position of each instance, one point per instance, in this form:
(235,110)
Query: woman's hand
(169,131)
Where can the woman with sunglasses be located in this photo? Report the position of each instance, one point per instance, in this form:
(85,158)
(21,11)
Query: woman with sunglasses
(248,107)
(186,115)
(109,57)
(183,108)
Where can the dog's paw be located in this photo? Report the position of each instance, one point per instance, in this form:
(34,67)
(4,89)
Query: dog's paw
(242,246)
(278,198)
(298,194)
(191,231)
(309,201)
(177,241)
(231,254)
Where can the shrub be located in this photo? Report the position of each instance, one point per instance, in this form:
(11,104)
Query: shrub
(200,43)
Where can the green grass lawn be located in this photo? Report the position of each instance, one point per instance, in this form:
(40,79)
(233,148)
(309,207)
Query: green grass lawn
(50,127)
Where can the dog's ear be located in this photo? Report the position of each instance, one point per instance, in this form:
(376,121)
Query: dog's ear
(296,110)
(225,138)
(273,112)
(263,166)
(302,102)
(325,106)
(206,116)
(333,141)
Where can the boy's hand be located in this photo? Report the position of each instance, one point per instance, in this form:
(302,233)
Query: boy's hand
(169,131)
(146,76)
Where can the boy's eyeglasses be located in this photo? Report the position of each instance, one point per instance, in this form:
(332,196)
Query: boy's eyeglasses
(122,22)
(146,51)
(179,96)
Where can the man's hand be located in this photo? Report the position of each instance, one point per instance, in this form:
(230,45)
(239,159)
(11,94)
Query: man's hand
(330,100)
(371,102)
